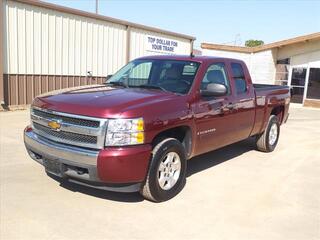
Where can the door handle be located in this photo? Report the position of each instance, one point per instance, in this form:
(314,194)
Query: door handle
(228,107)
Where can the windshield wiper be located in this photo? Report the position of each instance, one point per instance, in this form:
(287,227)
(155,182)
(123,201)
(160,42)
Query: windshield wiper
(120,84)
(150,86)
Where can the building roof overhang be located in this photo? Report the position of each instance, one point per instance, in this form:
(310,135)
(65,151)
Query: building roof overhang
(300,39)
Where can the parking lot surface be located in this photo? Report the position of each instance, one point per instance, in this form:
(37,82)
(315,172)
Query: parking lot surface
(232,193)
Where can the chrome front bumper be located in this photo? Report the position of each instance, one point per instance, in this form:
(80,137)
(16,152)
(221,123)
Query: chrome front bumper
(76,164)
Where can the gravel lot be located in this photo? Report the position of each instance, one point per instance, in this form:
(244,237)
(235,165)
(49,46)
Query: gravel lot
(233,193)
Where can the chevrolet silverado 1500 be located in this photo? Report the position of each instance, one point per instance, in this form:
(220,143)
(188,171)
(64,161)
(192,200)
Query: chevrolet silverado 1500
(137,131)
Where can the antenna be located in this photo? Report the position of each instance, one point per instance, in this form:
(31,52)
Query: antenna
(237,40)
(97,6)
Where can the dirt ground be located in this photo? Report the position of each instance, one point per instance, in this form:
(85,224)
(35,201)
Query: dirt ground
(233,193)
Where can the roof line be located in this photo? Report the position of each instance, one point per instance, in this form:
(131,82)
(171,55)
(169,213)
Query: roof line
(230,48)
(102,17)
(277,44)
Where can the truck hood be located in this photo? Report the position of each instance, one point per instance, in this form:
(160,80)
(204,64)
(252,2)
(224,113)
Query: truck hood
(102,101)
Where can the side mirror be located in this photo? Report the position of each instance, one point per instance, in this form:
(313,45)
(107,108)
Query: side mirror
(214,90)
(109,76)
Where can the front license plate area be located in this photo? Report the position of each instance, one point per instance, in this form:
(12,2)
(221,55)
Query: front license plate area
(53,166)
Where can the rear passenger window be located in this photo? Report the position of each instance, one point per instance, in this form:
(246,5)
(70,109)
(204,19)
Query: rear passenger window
(239,78)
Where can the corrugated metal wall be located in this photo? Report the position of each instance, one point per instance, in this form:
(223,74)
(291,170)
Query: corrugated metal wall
(47,42)
(47,48)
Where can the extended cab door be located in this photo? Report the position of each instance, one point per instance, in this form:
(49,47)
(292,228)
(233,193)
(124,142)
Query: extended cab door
(214,116)
(244,100)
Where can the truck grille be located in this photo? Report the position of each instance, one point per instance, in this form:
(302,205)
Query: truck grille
(75,121)
(74,130)
(65,136)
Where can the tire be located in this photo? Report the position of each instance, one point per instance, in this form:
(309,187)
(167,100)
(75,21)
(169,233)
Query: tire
(265,142)
(155,188)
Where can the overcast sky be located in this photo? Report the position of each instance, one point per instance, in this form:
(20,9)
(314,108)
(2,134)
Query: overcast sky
(215,21)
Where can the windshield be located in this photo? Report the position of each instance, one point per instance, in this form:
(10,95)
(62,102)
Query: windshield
(168,75)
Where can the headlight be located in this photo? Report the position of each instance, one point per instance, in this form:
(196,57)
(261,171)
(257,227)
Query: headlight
(122,132)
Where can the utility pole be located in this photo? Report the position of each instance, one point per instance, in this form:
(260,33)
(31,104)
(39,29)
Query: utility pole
(97,7)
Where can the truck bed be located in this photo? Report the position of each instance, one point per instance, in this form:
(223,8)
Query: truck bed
(262,87)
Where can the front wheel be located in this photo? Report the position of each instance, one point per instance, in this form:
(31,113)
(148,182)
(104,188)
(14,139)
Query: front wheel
(267,141)
(167,171)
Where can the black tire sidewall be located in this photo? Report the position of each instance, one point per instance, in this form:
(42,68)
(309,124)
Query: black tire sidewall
(171,145)
(273,120)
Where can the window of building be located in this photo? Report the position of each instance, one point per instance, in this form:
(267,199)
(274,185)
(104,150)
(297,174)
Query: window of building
(282,72)
(314,84)
(284,61)
(298,79)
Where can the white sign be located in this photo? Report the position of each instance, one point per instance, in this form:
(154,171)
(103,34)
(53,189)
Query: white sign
(161,45)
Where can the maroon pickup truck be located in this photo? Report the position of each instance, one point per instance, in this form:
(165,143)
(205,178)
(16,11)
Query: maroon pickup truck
(137,131)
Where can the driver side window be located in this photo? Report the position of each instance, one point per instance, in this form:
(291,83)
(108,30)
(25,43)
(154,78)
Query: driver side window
(216,73)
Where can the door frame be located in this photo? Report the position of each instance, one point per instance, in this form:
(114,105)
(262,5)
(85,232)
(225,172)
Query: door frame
(306,80)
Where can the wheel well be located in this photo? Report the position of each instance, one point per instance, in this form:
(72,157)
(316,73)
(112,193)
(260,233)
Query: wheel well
(181,133)
(278,111)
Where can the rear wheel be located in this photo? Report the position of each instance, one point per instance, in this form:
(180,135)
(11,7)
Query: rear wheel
(167,171)
(267,141)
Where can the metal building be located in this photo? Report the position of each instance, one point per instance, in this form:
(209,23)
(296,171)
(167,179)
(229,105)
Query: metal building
(45,47)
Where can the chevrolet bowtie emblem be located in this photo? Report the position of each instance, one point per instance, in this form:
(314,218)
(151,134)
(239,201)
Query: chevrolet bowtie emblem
(55,125)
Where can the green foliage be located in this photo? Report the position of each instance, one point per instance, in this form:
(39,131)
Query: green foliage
(253,43)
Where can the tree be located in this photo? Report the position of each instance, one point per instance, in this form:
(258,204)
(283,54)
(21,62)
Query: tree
(253,43)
